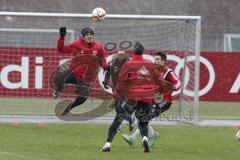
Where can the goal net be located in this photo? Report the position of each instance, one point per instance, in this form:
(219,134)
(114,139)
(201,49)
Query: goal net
(29,58)
(231,42)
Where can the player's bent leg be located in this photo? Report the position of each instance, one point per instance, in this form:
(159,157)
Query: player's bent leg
(66,110)
(128,139)
(59,85)
(82,89)
(153,135)
(58,78)
(132,138)
(78,101)
(153,138)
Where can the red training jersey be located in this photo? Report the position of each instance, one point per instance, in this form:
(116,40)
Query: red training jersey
(169,75)
(138,80)
(80,65)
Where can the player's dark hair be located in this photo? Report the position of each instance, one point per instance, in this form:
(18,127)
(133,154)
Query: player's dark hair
(162,55)
(138,48)
(86,31)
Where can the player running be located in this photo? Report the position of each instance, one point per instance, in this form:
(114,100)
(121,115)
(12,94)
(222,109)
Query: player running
(112,74)
(169,75)
(138,81)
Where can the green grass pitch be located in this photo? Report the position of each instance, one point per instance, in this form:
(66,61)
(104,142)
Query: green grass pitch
(40,106)
(84,141)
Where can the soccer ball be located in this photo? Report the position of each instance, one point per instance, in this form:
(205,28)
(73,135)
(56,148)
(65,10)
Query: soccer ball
(238,135)
(98,14)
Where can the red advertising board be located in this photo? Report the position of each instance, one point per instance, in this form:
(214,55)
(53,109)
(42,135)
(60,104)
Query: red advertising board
(25,72)
(225,76)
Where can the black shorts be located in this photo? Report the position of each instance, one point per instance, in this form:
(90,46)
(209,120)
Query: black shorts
(82,88)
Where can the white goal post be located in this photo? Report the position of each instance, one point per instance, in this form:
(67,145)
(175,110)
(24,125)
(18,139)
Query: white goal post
(179,36)
(231,42)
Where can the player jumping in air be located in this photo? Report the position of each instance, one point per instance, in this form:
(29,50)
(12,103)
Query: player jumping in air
(168,74)
(88,56)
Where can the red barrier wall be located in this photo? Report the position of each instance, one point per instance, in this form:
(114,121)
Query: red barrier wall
(25,72)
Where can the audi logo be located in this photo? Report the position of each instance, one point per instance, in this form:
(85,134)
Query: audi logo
(180,65)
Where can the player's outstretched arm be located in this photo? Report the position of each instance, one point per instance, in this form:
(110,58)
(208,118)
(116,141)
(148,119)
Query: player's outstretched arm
(60,44)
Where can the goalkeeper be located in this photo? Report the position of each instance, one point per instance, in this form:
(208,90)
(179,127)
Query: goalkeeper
(113,73)
(168,74)
(83,67)
(114,69)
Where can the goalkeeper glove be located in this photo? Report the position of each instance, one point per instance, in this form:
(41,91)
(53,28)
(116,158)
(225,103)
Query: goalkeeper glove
(63,31)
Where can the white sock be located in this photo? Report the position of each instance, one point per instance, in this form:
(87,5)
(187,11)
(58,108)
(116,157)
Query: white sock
(145,138)
(135,134)
(107,144)
(150,130)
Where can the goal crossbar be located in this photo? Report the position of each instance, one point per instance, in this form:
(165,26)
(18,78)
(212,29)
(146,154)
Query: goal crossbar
(75,15)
